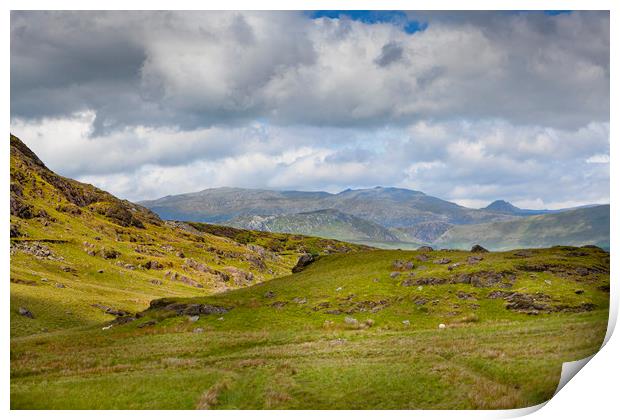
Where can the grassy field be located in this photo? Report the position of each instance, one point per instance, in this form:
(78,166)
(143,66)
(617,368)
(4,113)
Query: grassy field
(279,346)
(112,307)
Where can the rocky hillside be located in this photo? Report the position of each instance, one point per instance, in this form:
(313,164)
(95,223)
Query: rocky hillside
(80,256)
(583,226)
(324,223)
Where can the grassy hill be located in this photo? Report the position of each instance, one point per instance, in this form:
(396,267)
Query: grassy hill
(346,332)
(79,254)
(111,307)
(583,226)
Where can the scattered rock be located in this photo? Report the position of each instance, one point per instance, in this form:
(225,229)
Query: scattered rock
(14,232)
(425,248)
(338,342)
(240,277)
(579,291)
(420,301)
(474,259)
(478,279)
(422,257)
(147,323)
(453,266)
(350,321)
(279,304)
(300,301)
(22,281)
(478,248)
(110,311)
(499,294)
(441,326)
(36,249)
(153,265)
(189,309)
(401,265)
(523,253)
(199,330)
(339,289)
(394,274)
(369,323)
(180,254)
(174,276)
(270,294)
(322,305)
(25,312)
(604,288)
(442,261)
(60,285)
(109,253)
(303,261)
(194,318)
(465,296)
(406,322)
(157,282)
(100,271)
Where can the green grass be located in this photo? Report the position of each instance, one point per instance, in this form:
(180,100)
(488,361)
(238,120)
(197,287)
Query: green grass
(260,356)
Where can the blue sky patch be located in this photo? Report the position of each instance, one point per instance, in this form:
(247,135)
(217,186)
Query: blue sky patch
(395,17)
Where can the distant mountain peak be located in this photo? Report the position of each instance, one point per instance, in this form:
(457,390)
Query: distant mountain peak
(502,206)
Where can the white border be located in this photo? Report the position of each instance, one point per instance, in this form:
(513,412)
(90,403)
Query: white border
(592,395)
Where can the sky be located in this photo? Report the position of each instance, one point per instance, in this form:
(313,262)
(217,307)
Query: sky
(466,106)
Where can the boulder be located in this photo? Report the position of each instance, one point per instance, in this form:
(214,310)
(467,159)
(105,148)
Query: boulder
(478,248)
(25,312)
(303,261)
(425,248)
(474,259)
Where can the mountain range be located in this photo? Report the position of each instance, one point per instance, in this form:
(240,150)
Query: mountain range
(388,217)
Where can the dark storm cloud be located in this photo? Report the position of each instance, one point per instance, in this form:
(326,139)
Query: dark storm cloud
(390,53)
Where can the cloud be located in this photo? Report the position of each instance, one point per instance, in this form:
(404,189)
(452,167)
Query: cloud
(476,106)
(469,162)
(198,69)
